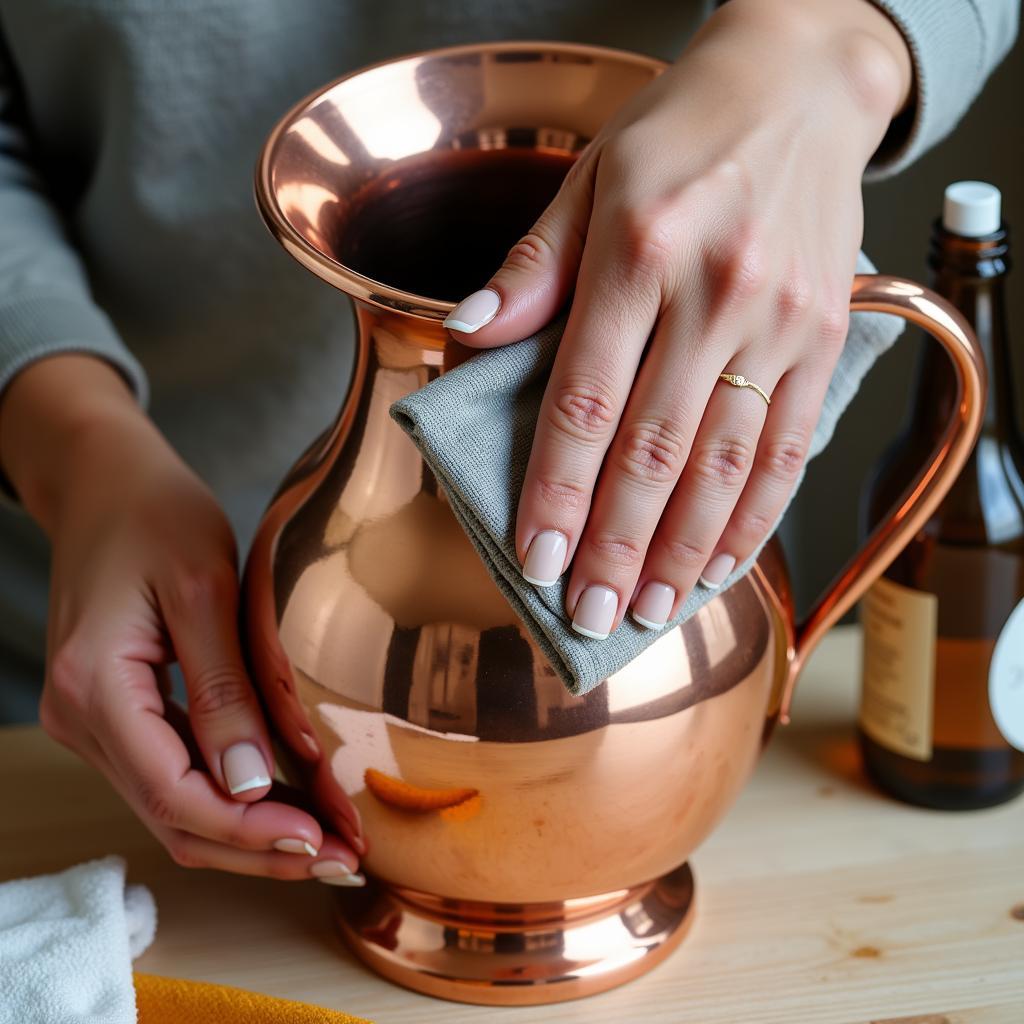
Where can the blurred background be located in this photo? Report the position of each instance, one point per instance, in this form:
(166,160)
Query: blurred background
(988,145)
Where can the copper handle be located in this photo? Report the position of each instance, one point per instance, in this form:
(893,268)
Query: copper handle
(883,294)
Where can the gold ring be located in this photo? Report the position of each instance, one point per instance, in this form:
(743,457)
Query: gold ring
(737,380)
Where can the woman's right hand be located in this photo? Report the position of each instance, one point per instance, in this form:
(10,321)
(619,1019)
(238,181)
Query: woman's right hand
(144,574)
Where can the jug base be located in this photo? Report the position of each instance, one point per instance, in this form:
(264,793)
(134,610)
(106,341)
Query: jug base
(504,954)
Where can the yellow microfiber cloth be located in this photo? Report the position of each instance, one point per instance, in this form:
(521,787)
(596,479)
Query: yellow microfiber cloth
(176,1001)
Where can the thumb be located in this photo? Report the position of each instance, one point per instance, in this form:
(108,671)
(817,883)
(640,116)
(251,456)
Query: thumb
(200,612)
(538,274)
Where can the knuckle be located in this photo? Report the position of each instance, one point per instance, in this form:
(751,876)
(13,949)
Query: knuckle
(735,272)
(210,586)
(833,323)
(653,451)
(793,300)
(731,177)
(585,409)
(723,462)
(648,249)
(182,854)
(683,556)
(752,525)
(532,251)
(783,456)
(67,674)
(562,494)
(217,690)
(158,805)
(283,871)
(235,835)
(614,549)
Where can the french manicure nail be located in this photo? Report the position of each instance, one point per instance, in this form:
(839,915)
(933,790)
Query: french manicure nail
(651,609)
(333,872)
(716,571)
(474,311)
(295,846)
(244,768)
(595,612)
(545,558)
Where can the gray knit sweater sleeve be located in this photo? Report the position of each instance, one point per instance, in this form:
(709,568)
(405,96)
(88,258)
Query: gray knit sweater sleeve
(45,303)
(955,46)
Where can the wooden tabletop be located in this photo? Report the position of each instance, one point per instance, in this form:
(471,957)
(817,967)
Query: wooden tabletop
(819,899)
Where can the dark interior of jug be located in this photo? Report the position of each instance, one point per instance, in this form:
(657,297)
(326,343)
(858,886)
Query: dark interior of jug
(440,223)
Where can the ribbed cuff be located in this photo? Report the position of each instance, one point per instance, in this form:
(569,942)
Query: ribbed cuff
(42,325)
(37,326)
(948,47)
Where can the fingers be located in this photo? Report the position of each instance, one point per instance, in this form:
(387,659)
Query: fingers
(717,471)
(109,709)
(247,848)
(335,864)
(781,453)
(611,319)
(640,471)
(201,612)
(150,766)
(148,763)
(673,473)
(538,273)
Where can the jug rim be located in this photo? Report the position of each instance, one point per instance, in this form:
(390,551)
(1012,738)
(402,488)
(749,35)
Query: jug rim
(358,286)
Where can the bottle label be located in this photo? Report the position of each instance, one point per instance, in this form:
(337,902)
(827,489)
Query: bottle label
(899,668)
(1006,679)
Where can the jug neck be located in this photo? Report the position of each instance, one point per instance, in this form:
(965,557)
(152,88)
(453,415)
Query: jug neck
(398,339)
(395,340)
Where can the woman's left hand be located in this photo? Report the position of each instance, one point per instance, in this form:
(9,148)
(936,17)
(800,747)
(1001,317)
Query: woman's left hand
(711,227)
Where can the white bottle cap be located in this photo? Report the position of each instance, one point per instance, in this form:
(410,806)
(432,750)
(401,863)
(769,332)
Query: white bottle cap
(971,208)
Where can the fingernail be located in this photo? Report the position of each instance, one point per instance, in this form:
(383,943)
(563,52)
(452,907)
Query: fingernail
(545,558)
(651,609)
(474,311)
(716,570)
(295,846)
(244,768)
(595,612)
(333,872)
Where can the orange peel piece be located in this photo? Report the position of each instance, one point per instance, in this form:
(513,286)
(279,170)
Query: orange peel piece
(396,793)
(462,812)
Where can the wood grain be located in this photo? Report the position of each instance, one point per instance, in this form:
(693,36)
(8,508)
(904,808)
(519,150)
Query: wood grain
(820,900)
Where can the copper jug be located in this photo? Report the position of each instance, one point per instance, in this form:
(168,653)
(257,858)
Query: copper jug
(526,845)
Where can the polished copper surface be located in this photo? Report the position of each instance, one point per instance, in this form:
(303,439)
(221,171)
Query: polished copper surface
(379,641)
(511,954)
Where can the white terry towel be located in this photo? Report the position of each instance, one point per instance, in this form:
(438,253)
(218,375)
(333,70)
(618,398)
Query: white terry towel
(67,942)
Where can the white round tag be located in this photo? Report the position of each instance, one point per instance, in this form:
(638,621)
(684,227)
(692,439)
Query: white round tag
(1006,679)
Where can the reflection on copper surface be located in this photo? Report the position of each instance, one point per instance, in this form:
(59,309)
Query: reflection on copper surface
(379,641)
(322,145)
(386,95)
(506,954)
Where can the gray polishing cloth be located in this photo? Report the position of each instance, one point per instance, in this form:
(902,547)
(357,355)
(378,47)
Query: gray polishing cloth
(474,426)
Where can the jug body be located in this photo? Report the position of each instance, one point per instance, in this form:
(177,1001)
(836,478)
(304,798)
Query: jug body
(375,629)
(526,845)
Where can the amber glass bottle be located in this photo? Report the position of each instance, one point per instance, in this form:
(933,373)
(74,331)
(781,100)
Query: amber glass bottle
(942,708)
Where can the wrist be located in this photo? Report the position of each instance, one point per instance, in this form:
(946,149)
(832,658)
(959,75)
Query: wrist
(55,416)
(875,62)
(845,57)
